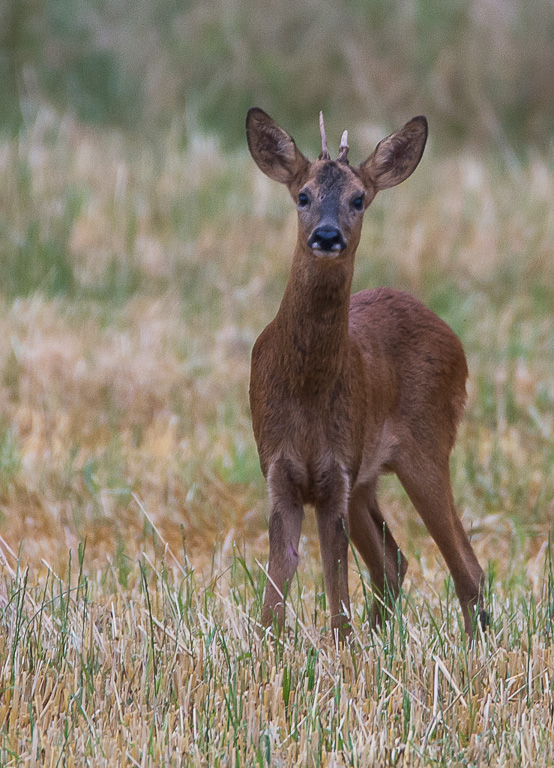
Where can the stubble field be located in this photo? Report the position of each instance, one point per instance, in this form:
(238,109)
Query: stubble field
(133,517)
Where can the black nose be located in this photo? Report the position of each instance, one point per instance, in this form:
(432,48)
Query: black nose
(327,239)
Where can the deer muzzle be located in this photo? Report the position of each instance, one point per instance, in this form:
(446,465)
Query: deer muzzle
(327,240)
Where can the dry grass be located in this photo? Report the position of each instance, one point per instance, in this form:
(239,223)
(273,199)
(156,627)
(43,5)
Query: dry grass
(124,354)
(169,669)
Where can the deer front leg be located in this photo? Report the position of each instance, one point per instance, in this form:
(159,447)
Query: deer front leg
(285,525)
(332,524)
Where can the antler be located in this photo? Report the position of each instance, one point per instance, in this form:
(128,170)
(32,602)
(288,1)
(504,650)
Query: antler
(343,148)
(324,151)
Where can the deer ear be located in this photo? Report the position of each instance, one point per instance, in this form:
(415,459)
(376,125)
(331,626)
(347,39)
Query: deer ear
(273,150)
(396,157)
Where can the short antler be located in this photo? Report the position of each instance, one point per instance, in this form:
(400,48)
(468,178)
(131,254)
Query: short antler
(343,148)
(324,151)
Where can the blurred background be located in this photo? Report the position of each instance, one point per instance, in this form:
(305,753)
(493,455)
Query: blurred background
(481,70)
(142,252)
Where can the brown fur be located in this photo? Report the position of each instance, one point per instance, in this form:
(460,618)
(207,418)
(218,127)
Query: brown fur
(344,388)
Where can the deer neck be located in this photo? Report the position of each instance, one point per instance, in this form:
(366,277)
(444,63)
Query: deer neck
(313,321)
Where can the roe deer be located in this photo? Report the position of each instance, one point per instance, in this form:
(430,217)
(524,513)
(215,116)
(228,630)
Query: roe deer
(344,388)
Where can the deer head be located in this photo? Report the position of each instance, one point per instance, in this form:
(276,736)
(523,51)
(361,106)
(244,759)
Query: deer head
(331,195)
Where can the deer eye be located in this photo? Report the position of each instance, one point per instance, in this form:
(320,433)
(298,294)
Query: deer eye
(358,203)
(303,200)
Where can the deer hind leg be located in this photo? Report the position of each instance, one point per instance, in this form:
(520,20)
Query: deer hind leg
(374,541)
(285,525)
(427,483)
(331,510)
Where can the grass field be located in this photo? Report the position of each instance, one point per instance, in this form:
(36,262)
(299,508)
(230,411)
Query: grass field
(133,514)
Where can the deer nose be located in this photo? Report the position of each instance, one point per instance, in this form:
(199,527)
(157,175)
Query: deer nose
(327,239)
